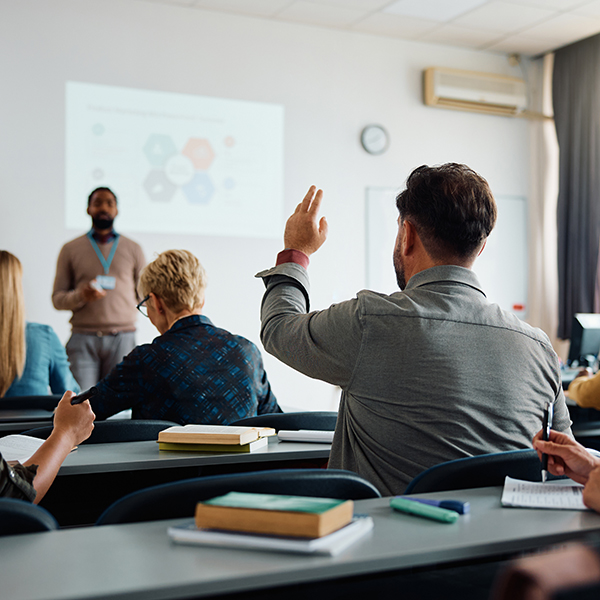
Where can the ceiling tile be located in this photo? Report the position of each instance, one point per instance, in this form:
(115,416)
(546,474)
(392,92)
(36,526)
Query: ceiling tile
(564,28)
(391,25)
(503,16)
(369,5)
(590,9)
(460,36)
(260,8)
(520,44)
(320,14)
(561,5)
(434,10)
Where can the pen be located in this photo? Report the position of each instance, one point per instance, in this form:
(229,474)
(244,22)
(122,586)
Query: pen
(84,396)
(462,508)
(546,426)
(424,510)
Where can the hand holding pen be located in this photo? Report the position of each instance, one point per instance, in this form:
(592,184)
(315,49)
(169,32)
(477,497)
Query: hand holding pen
(566,456)
(84,396)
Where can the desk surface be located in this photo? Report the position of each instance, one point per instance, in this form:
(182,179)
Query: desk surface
(138,561)
(136,456)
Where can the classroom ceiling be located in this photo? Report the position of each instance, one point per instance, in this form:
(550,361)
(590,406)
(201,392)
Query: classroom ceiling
(528,27)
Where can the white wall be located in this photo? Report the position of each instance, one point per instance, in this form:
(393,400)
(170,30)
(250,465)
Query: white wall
(331,83)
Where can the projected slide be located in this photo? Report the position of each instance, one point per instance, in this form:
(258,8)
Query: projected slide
(178,163)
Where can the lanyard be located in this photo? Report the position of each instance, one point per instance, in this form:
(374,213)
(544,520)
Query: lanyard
(105,262)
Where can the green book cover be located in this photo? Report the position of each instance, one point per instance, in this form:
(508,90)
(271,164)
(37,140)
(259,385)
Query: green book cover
(305,504)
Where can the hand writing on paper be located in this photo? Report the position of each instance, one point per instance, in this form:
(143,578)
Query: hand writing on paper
(303,230)
(566,456)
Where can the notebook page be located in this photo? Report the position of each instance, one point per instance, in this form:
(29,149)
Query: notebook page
(529,494)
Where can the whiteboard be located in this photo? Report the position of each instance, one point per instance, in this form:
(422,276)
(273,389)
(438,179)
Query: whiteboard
(501,268)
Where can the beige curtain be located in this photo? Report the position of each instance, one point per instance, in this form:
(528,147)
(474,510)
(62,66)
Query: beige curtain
(543,268)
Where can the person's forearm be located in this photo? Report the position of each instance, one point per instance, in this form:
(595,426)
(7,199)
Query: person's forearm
(49,458)
(67,300)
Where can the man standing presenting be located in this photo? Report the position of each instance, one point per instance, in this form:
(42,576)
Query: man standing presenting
(429,374)
(96,278)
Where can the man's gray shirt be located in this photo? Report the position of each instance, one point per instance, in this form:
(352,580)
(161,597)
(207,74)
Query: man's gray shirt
(430,374)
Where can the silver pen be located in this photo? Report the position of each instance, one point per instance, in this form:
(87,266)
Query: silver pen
(546,426)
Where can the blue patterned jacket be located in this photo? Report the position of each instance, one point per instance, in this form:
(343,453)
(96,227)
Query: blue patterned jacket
(193,373)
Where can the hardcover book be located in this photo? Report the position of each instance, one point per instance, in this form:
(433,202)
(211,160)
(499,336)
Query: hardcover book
(250,447)
(213,434)
(295,516)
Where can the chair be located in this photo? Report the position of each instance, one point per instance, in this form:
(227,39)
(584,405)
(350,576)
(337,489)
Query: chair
(178,499)
(315,420)
(123,430)
(19,516)
(22,402)
(478,471)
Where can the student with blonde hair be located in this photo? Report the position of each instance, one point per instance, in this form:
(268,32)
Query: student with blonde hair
(32,361)
(193,372)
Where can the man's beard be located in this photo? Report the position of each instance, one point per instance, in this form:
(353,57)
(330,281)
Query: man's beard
(399,267)
(102,224)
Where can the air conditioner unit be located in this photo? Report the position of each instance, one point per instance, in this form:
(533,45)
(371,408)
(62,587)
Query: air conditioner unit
(473,91)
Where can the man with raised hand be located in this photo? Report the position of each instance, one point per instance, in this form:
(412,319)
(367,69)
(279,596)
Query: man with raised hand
(432,373)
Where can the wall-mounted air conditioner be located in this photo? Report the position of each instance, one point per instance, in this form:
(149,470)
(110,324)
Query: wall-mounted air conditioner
(473,91)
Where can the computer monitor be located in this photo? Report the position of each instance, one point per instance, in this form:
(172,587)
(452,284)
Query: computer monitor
(585,339)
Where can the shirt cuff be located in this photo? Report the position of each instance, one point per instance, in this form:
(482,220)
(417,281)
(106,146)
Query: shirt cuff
(289,255)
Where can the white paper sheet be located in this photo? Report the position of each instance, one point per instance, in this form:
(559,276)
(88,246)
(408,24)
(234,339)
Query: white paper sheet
(19,447)
(530,494)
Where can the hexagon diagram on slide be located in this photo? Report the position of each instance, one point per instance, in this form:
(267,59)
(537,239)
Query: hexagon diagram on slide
(173,170)
(159,148)
(200,189)
(158,187)
(200,152)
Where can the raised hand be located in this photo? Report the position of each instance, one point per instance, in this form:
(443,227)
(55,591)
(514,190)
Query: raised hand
(303,230)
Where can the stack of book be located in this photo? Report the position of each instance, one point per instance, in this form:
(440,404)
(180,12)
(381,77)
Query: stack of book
(274,522)
(214,438)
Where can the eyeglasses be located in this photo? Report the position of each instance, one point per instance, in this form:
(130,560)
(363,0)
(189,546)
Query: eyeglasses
(142,307)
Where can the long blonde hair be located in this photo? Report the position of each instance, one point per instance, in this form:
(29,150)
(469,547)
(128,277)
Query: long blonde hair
(12,320)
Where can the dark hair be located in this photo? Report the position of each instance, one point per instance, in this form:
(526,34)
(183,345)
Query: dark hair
(101,189)
(451,207)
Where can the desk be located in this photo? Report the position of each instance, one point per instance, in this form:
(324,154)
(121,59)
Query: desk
(138,561)
(22,419)
(95,475)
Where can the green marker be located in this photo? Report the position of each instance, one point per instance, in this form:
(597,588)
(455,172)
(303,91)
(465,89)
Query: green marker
(424,510)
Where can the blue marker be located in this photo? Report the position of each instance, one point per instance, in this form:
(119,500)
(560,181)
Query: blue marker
(462,508)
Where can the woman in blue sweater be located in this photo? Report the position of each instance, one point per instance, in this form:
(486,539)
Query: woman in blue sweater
(33,362)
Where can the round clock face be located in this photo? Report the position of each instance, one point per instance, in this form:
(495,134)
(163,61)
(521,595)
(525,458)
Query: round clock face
(374,139)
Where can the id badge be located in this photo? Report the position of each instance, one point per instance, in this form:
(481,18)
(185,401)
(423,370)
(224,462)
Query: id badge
(106,282)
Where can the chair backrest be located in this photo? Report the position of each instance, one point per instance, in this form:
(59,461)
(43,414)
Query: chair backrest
(478,471)
(315,420)
(19,516)
(178,499)
(39,402)
(119,430)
